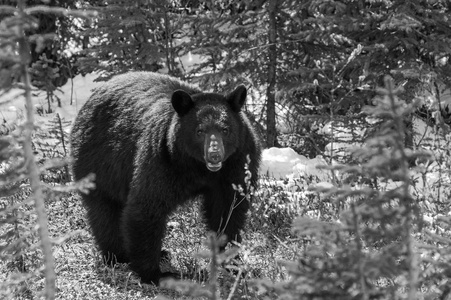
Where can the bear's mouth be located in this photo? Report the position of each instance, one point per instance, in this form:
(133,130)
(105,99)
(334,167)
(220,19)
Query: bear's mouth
(214,167)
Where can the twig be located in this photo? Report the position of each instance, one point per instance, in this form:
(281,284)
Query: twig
(411,256)
(235,284)
(356,222)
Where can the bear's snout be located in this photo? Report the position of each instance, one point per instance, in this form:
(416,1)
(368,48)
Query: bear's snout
(215,157)
(214,152)
(214,160)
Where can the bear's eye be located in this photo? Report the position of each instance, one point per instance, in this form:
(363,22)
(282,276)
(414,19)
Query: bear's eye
(200,132)
(225,131)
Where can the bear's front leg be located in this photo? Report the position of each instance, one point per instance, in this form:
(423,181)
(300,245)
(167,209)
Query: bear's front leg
(225,212)
(143,232)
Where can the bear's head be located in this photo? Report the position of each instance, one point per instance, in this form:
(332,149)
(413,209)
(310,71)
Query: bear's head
(210,128)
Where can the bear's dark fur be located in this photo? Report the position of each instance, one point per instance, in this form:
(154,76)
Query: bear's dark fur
(154,142)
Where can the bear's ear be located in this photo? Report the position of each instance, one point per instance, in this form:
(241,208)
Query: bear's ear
(237,98)
(182,102)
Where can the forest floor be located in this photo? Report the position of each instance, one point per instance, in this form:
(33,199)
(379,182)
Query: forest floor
(81,274)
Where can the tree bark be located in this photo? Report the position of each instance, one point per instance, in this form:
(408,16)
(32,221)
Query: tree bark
(271,135)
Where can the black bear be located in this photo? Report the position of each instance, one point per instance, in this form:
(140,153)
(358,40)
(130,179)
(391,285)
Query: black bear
(154,142)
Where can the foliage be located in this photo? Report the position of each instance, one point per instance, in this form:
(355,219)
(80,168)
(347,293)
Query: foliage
(372,250)
(19,167)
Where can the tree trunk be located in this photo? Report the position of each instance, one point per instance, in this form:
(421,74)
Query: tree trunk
(169,46)
(271,136)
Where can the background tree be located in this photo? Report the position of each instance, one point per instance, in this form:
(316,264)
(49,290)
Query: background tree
(133,36)
(271,137)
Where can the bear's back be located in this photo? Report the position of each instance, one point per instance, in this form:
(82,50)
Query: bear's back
(135,94)
(109,125)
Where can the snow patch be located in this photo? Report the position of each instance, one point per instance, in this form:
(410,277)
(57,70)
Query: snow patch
(286,163)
